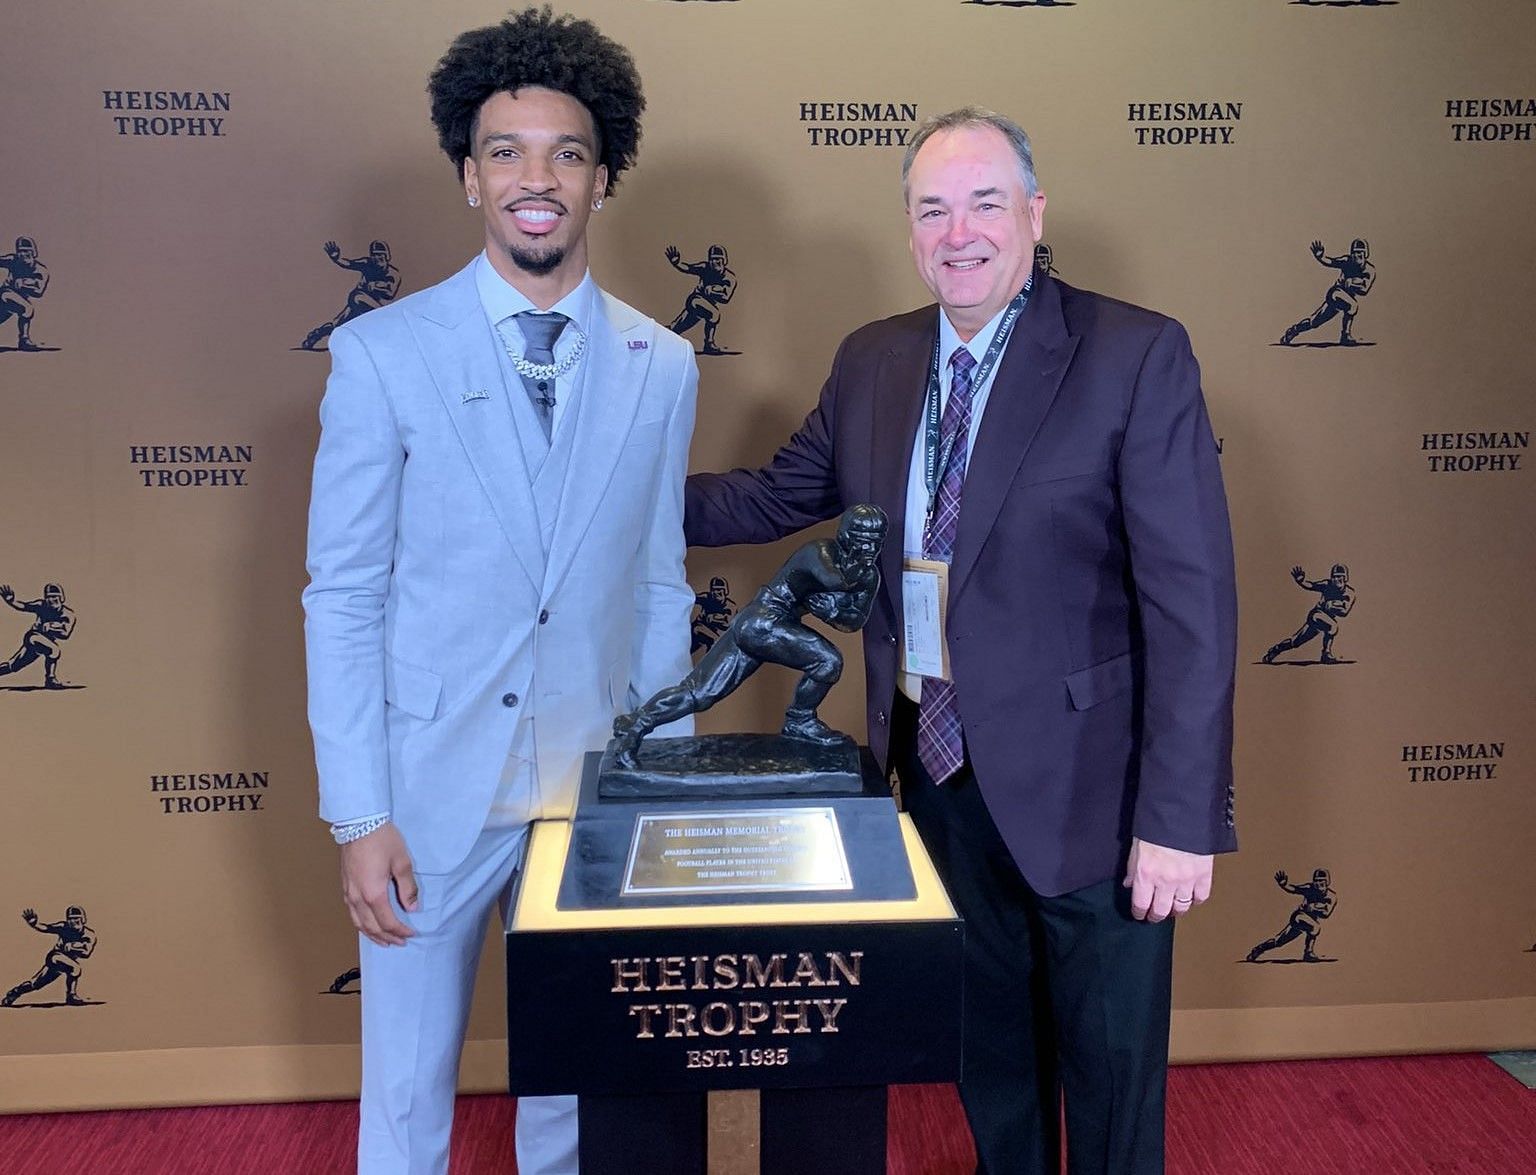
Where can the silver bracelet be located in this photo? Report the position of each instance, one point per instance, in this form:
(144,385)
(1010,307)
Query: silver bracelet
(345,834)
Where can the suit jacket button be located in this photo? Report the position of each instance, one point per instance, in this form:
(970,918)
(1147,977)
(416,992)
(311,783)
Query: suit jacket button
(509,700)
(543,615)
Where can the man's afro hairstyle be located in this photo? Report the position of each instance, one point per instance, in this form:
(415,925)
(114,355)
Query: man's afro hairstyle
(537,48)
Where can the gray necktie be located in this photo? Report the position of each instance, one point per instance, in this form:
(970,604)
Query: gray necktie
(540,332)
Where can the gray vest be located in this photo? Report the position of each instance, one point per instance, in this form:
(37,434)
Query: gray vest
(546,461)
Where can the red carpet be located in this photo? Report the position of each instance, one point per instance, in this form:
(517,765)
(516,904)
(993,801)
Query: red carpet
(1387,1116)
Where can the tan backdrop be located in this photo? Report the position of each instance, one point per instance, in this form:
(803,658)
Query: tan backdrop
(186,267)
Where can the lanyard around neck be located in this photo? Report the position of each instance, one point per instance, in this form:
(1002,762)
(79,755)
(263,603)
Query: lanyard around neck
(935,459)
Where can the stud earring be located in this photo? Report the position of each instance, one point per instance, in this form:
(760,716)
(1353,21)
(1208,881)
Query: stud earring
(474,201)
(597,205)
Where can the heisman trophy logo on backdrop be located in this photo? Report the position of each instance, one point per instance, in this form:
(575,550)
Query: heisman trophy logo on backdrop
(73,943)
(378,281)
(1335,601)
(714,286)
(24,281)
(1356,276)
(53,623)
(713,611)
(1316,906)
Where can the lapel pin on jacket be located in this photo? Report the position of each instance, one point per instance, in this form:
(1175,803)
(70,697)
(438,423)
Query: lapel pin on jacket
(474,394)
(638,345)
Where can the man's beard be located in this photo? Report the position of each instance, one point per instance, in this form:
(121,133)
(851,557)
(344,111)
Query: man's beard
(538,264)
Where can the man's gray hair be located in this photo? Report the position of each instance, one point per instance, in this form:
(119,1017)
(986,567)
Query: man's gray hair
(974,116)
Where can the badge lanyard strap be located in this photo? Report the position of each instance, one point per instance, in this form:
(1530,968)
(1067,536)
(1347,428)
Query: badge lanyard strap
(935,460)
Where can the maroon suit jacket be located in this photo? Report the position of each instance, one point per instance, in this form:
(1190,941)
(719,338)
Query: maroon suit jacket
(1092,608)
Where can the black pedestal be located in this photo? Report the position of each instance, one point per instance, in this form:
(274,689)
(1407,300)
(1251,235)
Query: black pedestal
(816,1131)
(801,1132)
(643,1132)
(642,1012)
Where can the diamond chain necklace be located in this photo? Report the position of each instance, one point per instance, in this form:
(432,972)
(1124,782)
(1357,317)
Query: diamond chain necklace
(548,371)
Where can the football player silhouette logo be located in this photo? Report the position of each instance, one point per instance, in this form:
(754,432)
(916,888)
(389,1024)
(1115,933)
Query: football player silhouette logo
(53,622)
(714,287)
(1356,277)
(378,282)
(1336,599)
(24,281)
(74,942)
(1318,902)
(712,613)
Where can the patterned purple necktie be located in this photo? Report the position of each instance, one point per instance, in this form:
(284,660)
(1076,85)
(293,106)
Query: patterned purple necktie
(940,741)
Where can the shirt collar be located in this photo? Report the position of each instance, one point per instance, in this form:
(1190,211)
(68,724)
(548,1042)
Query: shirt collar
(949,338)
(501,299)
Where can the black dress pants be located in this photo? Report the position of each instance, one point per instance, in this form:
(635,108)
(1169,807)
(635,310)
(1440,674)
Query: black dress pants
(1067,997)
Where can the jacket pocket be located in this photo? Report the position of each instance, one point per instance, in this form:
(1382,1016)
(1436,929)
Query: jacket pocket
(411,688)
(1050,471)
(1098,683)
(645,437)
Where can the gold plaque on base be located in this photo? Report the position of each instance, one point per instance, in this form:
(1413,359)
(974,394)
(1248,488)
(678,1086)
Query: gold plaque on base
(761,850)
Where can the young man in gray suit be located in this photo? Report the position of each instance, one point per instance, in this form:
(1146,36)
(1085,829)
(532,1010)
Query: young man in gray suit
(496,559)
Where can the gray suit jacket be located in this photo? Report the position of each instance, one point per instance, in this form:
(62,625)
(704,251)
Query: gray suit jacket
(434,621)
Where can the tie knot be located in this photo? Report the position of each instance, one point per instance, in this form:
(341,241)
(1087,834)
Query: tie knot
(540,330)
(962,361)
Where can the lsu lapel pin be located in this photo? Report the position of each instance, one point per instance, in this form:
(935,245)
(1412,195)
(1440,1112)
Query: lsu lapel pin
(638,345)
(475,394)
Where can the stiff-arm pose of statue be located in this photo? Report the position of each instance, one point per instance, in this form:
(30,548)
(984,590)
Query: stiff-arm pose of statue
(834,580)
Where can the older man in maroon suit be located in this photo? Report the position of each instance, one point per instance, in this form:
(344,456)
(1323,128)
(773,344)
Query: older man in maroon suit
(1050,661)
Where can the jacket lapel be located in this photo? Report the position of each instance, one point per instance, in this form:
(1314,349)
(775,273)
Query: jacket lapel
(900,384)
(610,397)
(1024,390)
(460,353)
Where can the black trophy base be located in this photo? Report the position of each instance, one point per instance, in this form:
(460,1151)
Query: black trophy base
(733,766)
(801,1132)
(617,1135)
